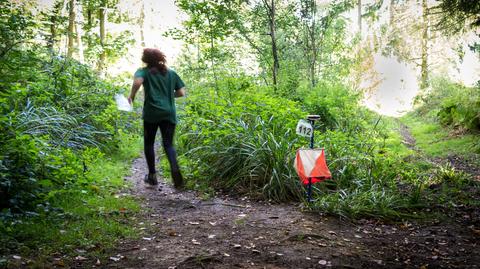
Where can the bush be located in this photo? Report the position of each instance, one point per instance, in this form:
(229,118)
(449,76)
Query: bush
(453,104)
(245,143)
(53,109)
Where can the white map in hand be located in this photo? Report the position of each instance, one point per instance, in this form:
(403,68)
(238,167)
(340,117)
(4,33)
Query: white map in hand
(122,103)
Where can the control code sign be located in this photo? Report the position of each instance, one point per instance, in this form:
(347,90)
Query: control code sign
(304,128)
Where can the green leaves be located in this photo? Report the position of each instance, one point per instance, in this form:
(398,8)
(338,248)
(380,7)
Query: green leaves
(56,115)
(243,143)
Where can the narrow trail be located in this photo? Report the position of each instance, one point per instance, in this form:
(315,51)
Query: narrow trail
(408,139)
(457,162)
(179,230)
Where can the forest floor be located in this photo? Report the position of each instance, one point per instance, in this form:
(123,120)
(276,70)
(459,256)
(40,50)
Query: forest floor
(178,229)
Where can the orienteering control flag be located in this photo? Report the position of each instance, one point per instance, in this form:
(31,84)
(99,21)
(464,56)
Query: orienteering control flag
(311,163)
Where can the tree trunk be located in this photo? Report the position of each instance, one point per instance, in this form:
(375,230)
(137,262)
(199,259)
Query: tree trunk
(79,33)
(71,28)
(212,56)
(392,12)
(142,25)
(102,14)
(359,7)
(309,17)
(276,64)
(53,32)
(424,64)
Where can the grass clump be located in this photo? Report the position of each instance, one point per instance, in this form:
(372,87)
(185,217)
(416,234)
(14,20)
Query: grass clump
(437,141)
(244,142)
(86,219)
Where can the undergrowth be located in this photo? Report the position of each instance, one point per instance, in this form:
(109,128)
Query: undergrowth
(85,219)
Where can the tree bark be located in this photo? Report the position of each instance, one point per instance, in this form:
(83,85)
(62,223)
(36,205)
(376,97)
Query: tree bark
(271,21)
(79,33)
(424,64)
(142,25)
(102,18)
(359,7)
(392,12)
(71,28)
(53,32)
(309,24)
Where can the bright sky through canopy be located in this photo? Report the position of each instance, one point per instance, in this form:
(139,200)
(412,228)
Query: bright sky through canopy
(392,96)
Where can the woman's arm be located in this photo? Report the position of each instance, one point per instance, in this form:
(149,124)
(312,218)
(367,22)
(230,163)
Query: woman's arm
(180,92)
(137,82)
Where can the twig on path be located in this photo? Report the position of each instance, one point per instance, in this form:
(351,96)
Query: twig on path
(226,204)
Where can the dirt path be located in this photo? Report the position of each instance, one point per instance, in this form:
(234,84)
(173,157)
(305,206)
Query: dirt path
(471,167)
(179,230)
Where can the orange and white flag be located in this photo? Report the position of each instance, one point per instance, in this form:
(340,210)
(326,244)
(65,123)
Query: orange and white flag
(311,163)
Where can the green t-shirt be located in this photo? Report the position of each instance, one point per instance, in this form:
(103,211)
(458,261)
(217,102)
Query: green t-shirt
(159,90)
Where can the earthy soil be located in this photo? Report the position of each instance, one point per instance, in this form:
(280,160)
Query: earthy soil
(180,230)
(408,139)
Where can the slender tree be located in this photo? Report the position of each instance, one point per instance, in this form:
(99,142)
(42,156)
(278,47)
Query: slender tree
(309,21)
(141,23)
(425,43)
(79,31)
(271,10)
(71,28)
(102,17)
(359,11)
(54,21)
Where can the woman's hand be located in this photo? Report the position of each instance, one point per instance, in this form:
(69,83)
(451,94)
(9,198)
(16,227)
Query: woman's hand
(137,82)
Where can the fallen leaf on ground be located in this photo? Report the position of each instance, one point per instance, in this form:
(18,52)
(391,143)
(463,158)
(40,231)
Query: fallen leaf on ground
(80,258)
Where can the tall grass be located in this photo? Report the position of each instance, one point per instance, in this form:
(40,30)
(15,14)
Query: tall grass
(61,129)
(245,144)
(256,159)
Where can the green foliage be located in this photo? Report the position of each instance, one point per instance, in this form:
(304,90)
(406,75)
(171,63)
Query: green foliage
(243,142)
(456,14)
(437,141)
(335,103)
(16,26)
(454,105)
(448,174)
(52,110)
(91,214)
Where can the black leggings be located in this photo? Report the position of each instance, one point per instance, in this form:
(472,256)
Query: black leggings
(149,131)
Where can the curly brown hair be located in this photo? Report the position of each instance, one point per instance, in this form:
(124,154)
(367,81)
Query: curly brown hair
(155,60)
